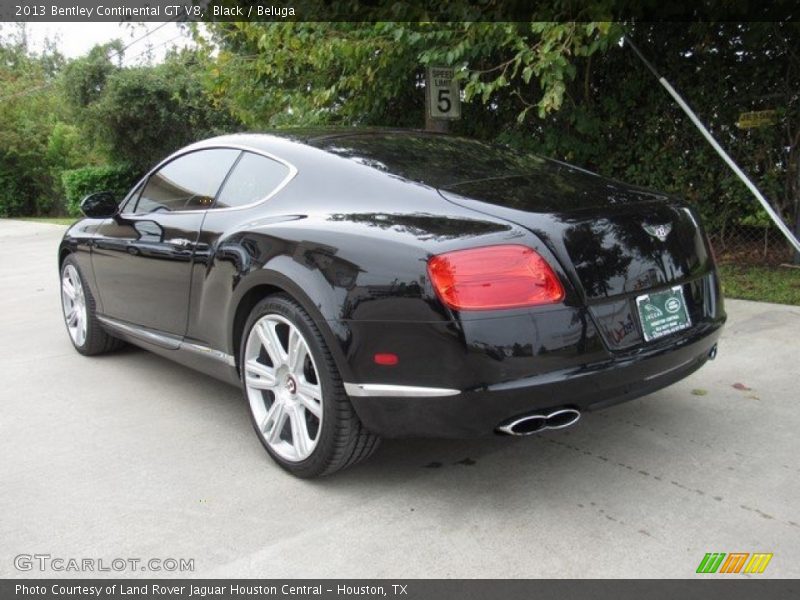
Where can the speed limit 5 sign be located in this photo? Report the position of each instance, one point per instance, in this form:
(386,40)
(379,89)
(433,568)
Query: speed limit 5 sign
(444,101)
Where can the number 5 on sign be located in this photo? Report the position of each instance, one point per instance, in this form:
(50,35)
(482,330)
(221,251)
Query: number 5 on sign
(444,100)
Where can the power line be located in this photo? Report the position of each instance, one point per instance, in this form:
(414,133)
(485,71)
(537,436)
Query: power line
(139,39)
(150,49)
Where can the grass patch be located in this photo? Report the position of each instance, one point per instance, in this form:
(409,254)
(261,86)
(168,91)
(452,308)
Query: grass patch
(762,283)
(52,220)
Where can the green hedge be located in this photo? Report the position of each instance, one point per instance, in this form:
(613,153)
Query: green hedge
(86,180)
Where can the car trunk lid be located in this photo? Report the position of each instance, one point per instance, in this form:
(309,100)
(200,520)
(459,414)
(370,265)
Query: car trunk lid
(616,242)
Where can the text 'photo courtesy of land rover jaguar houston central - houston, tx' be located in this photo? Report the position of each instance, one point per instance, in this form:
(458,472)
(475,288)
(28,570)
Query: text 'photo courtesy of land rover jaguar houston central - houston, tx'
(362,284)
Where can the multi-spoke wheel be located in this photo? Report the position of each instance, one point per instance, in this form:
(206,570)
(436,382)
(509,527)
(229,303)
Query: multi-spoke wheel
(74,304)
(297,401)
(86,333)
(283,388)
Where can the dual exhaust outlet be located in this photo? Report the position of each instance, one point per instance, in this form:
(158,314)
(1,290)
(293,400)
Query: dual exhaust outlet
(559,419)
(536,423)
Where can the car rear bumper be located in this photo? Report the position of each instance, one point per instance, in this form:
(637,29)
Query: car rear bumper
(479,410)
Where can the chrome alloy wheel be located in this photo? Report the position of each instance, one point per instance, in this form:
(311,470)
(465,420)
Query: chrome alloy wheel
(283,388)
(73,301)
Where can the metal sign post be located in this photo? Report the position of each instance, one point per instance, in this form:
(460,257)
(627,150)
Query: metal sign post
(442,98)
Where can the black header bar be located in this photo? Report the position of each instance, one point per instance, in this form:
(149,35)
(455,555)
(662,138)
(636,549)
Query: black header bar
(396,10)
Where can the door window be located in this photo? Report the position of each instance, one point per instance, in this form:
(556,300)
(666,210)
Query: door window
(190,182)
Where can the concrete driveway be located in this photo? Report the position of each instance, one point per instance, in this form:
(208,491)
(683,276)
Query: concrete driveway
(131,456)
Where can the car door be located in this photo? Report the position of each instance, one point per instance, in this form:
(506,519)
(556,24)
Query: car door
(224,255)
(142,257)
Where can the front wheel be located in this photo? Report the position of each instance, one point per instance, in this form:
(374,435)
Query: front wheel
(77,302)
(297,401)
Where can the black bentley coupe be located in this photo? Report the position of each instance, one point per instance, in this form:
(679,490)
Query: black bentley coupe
(368,283)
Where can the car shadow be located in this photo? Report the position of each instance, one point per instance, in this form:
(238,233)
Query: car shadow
(602,449)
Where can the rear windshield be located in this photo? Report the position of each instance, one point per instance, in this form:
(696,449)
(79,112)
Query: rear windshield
(436,160)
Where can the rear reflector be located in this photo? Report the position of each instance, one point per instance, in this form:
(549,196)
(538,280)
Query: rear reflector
(386,358)
(494,277)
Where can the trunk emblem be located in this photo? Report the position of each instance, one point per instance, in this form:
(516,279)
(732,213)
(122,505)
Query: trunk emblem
(658,231)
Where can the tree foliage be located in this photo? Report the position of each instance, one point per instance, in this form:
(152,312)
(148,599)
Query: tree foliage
(61,115)
(619,121)
(567,90)
(563,89)
(372,73)
(137,115)
(78,183)
(27,123)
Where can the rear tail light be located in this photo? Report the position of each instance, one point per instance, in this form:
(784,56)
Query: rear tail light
(494,277)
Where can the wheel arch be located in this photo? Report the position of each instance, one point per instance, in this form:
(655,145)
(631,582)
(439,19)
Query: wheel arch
(266,283)
(63,252)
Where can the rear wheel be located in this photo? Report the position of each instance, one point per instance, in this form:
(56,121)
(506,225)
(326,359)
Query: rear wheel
(297,401)
(77,302)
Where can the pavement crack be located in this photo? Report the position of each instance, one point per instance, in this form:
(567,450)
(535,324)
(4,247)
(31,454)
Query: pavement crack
(672,482)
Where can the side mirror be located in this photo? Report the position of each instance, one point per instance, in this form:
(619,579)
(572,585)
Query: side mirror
(99,205)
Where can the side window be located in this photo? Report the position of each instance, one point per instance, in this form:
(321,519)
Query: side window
(129,202)
(254,177)
(189,182)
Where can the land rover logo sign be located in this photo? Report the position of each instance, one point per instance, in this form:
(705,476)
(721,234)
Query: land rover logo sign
(673,305)
(658,231)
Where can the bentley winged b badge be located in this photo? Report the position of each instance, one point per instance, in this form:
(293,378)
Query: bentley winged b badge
(658,231)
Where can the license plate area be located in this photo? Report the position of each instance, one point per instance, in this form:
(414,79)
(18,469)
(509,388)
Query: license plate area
(662,313)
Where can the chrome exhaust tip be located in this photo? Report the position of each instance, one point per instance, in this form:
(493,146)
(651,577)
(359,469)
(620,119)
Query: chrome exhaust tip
(527,425)
(563,418)
(536,423)
(712,354)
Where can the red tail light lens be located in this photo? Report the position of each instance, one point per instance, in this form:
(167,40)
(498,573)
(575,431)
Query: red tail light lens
(494,277)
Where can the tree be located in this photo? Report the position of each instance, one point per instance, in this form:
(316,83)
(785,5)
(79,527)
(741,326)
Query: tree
(617,120)
(26,122)
(137,115)
(566,90)
(366,73)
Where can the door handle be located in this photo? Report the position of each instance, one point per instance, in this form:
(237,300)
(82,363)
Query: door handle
(181,242)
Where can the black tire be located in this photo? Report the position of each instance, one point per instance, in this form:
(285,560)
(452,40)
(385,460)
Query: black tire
(97,339)
(342,440)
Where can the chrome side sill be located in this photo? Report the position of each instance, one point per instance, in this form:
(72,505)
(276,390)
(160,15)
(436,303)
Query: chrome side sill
(210,352)
(367,390)
(170,342)
(164,340)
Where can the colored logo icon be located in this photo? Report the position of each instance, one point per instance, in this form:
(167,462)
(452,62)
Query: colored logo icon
(735,562)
